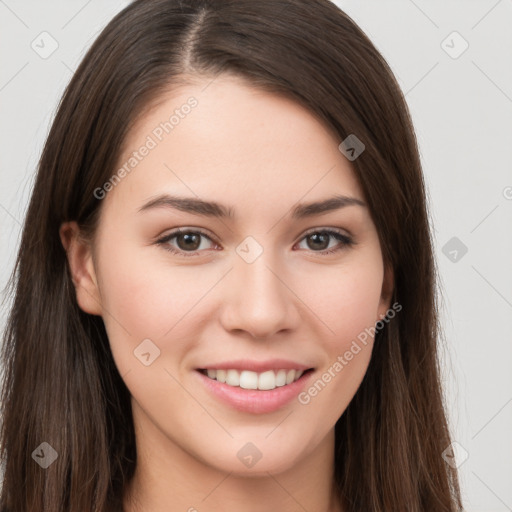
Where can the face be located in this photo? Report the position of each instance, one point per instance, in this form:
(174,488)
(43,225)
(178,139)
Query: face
(263,286)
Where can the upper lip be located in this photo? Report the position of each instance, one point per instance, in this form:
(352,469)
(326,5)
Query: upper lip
(256,366)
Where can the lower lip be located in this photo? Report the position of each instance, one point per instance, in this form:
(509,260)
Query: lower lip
(253,400)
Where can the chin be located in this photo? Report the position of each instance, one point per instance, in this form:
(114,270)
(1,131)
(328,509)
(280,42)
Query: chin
(254,458)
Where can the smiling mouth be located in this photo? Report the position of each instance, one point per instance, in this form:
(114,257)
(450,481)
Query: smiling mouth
(246,379)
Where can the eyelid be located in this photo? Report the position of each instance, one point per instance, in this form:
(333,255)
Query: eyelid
(177,231)
(327,229)
(345,240)
(186,229)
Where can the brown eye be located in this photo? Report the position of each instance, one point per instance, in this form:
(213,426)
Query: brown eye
(188,241)
(320,241)
(185,242)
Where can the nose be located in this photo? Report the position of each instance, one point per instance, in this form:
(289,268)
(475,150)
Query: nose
(259,301)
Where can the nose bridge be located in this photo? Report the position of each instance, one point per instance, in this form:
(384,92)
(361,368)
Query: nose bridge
(259,302)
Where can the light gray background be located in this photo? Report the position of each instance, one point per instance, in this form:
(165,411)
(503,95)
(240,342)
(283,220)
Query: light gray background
(462,110)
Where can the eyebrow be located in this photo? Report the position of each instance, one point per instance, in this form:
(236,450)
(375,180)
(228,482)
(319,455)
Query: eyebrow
(213,209)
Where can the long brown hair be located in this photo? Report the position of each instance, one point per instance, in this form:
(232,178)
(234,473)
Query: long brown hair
(61,384)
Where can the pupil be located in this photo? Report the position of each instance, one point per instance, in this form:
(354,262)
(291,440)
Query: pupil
(316,237)
(188,237)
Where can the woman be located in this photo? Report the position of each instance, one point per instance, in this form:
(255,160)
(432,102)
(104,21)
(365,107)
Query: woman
(225,289)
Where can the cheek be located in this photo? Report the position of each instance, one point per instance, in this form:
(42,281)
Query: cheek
(346,299)
(149,294)
(145,298)
(350,311)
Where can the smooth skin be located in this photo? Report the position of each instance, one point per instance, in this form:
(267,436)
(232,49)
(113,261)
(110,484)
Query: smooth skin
(261,155)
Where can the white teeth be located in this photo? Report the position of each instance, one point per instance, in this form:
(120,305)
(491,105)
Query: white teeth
(252,380)
(267,380)
(281,378)
(233,378)
(248,380)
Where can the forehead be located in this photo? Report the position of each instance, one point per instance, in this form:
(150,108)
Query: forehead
(222,139)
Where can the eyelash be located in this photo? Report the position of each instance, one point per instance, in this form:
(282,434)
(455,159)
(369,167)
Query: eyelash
(164,241)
